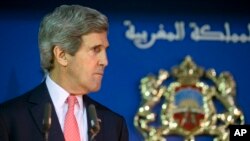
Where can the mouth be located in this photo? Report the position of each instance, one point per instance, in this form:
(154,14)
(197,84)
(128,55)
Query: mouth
(100,73)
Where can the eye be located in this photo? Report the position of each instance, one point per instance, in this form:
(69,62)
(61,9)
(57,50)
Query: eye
(97,49)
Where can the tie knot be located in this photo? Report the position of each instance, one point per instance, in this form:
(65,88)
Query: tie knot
(71,100)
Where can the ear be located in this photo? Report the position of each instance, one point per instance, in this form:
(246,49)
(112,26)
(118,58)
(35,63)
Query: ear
(60,56)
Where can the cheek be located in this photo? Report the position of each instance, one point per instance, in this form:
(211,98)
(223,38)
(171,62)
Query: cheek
(76,68)
(89,68)
(85,68)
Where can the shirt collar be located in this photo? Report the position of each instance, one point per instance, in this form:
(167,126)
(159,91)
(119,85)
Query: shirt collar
(58,94)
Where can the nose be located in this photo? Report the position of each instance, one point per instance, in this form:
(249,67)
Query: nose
(104,59)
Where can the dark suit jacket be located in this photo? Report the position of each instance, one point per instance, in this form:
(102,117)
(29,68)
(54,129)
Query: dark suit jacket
(21,119)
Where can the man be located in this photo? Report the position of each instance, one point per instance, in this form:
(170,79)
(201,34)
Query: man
(73,43)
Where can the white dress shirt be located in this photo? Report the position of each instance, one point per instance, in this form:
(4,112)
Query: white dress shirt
(59,96)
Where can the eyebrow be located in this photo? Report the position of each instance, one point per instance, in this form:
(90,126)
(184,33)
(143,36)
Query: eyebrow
(99,45)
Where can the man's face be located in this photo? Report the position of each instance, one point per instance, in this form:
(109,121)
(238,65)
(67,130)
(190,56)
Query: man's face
(86,68)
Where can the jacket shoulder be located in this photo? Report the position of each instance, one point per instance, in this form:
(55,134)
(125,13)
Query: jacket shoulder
(20,101)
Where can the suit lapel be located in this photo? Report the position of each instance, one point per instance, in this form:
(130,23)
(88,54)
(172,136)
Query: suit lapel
(37,101)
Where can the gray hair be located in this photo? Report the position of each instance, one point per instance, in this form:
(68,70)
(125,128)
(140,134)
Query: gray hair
(64,27)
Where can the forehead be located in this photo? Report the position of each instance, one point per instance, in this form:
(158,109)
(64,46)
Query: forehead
(95,39)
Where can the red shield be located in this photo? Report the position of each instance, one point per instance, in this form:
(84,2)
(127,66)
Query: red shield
(189,120)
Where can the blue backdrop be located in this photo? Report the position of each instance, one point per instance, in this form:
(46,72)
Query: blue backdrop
(226,50)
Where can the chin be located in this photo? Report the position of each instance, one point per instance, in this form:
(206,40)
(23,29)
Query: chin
(95,89)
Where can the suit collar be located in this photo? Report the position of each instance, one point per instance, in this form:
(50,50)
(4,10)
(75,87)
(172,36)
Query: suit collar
(39,96)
